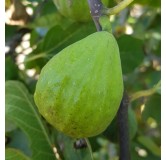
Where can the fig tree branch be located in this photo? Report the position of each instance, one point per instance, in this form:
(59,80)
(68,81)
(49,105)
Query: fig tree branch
(123,128)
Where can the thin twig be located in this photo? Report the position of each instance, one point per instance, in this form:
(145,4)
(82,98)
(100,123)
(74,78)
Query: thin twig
(118,8)
(145,93)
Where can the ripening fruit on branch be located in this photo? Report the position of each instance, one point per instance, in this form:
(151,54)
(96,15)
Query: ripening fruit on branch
(77,10)
(80,89)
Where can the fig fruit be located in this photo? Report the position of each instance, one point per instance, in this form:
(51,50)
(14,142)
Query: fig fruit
(77,10)
(80,89)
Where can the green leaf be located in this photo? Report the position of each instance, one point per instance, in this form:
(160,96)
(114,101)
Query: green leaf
(11,69)
(152,3)
(18,140)
(48,8)
(50,20)
(10,30)
(55,40)
(21,109)
(71,153)
(112,131)
(14,154)
(112,3)
(146,26)
(34,0)
(150,145)
(107,150)
(133,126)
(139,152)
(152,78)
(153,108)
(34,38)
(9,126)
(131,52)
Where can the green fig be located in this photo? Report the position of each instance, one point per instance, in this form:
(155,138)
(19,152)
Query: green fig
(80,89)
(77,10)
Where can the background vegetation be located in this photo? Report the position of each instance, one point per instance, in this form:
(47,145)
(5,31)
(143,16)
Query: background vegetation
(35,31)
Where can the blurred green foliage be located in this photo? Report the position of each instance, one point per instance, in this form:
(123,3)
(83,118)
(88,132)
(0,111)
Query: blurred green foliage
(137,30)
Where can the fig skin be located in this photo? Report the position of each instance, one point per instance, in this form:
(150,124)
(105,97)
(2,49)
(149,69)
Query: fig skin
(77,10)
(80,89)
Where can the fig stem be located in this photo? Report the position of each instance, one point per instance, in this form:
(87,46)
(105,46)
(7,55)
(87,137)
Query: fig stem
(123,128)
(119,7)
(97,9)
